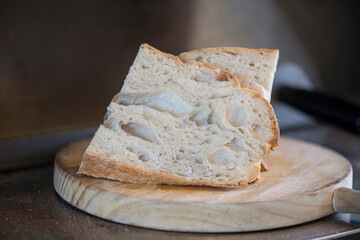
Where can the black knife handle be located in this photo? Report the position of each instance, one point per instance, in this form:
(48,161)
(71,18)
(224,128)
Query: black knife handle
(325,107)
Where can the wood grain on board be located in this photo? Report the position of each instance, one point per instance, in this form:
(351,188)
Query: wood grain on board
(298,188)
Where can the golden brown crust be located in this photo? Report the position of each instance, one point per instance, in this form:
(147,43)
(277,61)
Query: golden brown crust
(231,50)
(98,166)
(274,142)
(264,166)
(175,58)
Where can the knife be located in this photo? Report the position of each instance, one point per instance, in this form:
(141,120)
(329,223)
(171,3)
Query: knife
(334,110)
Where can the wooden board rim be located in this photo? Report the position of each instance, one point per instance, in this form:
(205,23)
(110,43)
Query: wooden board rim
(62,175)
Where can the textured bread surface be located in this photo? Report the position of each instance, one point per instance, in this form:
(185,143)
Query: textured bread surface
(254,68)
(181,123)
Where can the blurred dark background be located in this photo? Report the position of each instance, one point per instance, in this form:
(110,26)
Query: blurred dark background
(61,62)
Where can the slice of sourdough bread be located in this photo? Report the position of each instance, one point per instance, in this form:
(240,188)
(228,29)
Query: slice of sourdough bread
(181,123)
(254,68)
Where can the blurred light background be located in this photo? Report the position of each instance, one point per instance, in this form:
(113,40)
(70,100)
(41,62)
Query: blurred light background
(61,62)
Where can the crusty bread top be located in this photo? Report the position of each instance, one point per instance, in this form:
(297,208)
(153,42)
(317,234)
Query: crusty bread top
(234,50)
(254,68)
(221,74)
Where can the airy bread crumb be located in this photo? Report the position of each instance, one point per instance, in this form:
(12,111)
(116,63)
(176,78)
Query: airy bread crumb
(181,123)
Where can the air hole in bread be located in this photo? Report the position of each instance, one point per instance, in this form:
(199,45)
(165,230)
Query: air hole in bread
(223,157)
(204,75)
(144,158)
(143,153)
(185,172)
(231,53)
(231,166)
(237,145)
(251,64)
(236,114)
(140,131)
(201,117)
(211,140)
(258,130)
(210,119)
(199,58)
(256,77)
(223,77)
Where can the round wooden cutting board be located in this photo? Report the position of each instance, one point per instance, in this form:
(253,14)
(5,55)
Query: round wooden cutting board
(298,188)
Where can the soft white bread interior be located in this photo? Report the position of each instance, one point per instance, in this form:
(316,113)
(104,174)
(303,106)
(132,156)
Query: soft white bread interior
(181,123)
(254,68)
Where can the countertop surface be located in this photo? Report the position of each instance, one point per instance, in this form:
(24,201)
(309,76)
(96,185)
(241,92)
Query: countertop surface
(31,209)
